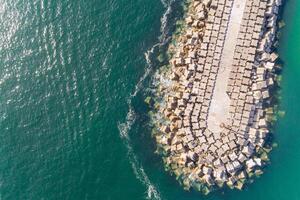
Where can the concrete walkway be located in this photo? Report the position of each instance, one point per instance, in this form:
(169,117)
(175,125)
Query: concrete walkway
(220,103)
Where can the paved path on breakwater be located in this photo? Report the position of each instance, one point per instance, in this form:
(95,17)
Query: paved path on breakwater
(220,103)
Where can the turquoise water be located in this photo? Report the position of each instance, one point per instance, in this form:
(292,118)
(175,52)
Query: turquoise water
(73,76)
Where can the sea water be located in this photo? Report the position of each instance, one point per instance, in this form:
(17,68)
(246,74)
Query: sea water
(73,123)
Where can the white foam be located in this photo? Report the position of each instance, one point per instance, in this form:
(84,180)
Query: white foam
(164,2)
(163,21)
(125,127)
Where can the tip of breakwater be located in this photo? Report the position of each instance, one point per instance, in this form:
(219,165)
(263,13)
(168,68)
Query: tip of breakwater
(191,81)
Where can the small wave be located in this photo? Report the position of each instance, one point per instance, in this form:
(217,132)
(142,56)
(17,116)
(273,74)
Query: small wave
(163,38)
(139,85)
(164,2)
(125,127)
(164,22)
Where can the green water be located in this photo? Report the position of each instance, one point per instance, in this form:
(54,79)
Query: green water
(73,76)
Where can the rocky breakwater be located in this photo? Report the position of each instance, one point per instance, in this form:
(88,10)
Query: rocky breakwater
(214,101)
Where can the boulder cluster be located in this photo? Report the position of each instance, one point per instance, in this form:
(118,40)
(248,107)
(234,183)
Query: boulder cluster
(199,157)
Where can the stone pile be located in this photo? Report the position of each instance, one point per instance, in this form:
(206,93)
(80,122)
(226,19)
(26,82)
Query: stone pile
(199,157)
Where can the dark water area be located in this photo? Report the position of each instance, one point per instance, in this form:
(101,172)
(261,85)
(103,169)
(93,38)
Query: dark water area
(74,125)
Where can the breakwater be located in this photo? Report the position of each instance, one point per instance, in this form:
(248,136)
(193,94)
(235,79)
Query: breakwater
(213,118)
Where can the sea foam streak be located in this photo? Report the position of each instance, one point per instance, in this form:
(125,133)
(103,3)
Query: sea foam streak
(163,38)
(125,127)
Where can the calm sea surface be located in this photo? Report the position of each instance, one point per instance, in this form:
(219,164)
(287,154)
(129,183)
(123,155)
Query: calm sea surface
(73,125)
